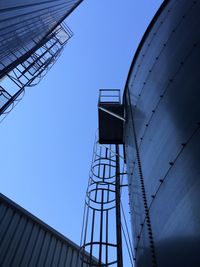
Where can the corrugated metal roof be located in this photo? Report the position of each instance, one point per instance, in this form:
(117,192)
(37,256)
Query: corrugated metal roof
(27,241)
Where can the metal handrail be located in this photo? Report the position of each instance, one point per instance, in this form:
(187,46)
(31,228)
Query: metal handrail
(112,96)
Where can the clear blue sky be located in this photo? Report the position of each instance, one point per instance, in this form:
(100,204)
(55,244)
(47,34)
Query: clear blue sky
(47,140)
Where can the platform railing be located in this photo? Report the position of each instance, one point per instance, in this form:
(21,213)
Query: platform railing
(109,96)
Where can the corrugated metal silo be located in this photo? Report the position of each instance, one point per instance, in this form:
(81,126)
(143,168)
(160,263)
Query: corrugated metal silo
(162,137)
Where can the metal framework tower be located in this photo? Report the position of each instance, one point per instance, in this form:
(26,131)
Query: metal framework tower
(102,232)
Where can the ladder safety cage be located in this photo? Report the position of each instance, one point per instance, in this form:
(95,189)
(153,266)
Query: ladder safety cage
(102,205)
(30,72)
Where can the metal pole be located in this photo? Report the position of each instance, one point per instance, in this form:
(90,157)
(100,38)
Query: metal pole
(11,101)
(118,212)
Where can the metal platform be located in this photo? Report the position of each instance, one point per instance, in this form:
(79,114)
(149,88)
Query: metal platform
(111,117)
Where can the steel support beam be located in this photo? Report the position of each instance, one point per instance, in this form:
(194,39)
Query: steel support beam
(118,212)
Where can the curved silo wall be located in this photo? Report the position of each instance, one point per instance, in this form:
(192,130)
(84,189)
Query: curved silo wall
(162,97)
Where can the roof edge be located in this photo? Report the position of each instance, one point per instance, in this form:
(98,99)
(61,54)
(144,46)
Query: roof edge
(150,26)
(32,217)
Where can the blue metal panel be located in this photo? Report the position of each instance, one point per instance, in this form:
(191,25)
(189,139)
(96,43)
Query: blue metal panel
(27,241)
(23,24)
(162,102)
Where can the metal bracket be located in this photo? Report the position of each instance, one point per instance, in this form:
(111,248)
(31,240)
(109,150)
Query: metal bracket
(112,152)
(122,185)
(112,113)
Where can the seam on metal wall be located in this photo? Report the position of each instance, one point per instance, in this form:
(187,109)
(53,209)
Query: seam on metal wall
(145,202)
(164,92)
(161,51)
(148,46)
(149,28)
(167,172)
(158,104)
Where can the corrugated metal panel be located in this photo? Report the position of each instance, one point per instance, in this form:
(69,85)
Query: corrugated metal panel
(23,23)
(27,241)
(162,96)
